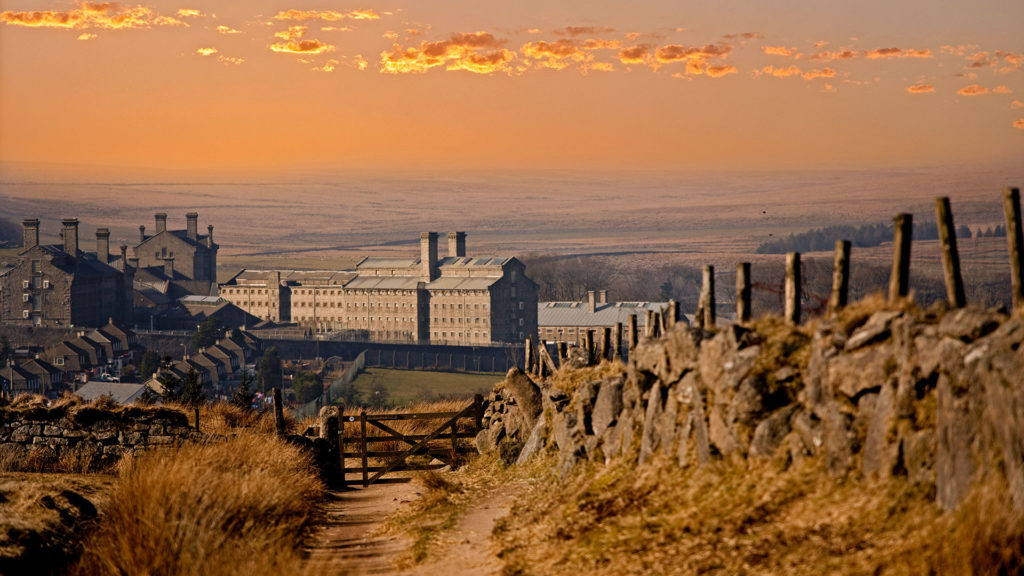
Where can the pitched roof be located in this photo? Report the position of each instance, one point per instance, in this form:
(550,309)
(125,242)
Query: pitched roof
(120,392)
(579,314)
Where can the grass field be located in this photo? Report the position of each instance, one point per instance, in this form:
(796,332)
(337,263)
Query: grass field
(407,386)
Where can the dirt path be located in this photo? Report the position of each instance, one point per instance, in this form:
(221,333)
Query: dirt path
(350,542)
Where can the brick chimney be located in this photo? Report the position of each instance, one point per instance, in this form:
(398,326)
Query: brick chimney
(428,255)
(192,227)
(592,300)
(457,244)
(31,232)
(602,297)
(103,245)
(124,257)
(142,234)
(209,236)
(169,267)
(161,222)
(70,234)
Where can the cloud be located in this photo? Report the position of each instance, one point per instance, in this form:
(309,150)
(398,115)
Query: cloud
(555,55)
(206,51)
(327,15)
(695,57)
(1013,61)
(890,53)
(477,52)
(189,13)
(779,72)
(230,60)
(635,54)
(335,28)
(1019,124)
(741,36)
(227,30)
(779,51)
(959,50)
(823,73)
(86,36)
(301,47)
(101,15)
(841,54)
(920,89)
(719,71)
(1002,90)
(574,31)
(327,67)
(1016,104)
(972,90)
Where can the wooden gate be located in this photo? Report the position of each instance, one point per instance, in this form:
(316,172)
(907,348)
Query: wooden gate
(365,443)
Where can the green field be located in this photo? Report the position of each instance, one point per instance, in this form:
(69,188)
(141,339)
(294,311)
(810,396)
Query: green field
(406,386)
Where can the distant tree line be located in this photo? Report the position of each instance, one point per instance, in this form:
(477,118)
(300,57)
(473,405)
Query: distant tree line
(868,235)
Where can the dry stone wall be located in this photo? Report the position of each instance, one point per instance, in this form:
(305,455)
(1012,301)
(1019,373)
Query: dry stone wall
(104,432)
(935,396)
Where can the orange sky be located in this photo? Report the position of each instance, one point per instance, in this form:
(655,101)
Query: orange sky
(521,84)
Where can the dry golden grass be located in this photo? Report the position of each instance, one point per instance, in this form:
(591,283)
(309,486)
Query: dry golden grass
(236,507)
(568,380)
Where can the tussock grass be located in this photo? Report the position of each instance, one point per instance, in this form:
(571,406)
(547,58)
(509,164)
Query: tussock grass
(241,506)
(568,380)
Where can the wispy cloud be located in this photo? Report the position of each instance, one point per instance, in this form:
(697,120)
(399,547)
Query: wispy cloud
(972,90)
(327,15)
(294,44)
(88,15)
(477,52)
(574,31)
(189,13)
(86,36)
(1019,124)
(206,51)
(891,53)
(920,89)
(222,29)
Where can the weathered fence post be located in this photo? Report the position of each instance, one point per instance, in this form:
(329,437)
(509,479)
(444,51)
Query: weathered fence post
(617,342)
(650,324)
(673,313)
(950,256)
(899,280)
(792,310)
(634,338)
(840,278)
(362,435)
(528,355)
(588,343)
(455,445)
(706,307)
(197,418)
(563,353)
(1015,241)
(341,444)
(606,342)
(329,432)
(478,412)
(278,411)
(743,292)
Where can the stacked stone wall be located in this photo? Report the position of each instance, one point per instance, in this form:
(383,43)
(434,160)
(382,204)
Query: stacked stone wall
(936,397)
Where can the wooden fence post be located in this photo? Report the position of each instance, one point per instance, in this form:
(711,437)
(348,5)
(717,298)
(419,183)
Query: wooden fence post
(706,308)
(563,353)
(197,418)
(362,435)
(840,278)
(588,344)
(528,355)
(617,342)
(1015,241)
(634,338)
(278,411)
(743,292)
(673,313)
(950,256)
(329,432)
(649,323)
(341,444)
(606,342)
(455,445)
(478,412)
(792,312)
(899,280)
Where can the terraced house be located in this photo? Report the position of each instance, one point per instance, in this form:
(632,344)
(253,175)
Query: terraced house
(458,299)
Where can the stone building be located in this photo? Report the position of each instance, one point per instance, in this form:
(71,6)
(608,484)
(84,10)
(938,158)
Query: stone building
(62,285)
(458,299)
(569,321)
(183,261)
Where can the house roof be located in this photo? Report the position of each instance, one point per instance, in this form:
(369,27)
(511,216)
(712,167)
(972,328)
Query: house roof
(120,392)
(579,314)
(383,282)
(462,283)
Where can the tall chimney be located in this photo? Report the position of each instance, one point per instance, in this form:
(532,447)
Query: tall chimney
(428,255)
(457,244)
(602,297)
(124,257)
(161,222)
(31,232)
(591,300)
(103,245)
(209,236)
(70,234)
(142,234)
(192,228)
(169,267)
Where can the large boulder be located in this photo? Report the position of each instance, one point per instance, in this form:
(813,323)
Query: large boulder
(526,395)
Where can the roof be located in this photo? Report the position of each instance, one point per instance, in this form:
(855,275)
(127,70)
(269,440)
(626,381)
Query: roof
(202,300)
(384,283)
(579,314)
(120,392)
(462,283)
(293,277)
(474,261)
(388,263)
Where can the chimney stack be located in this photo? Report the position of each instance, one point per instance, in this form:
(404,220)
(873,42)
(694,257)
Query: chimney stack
(209,236)
(428,255)
(457,244)
(103,245)
(142,234)
(192,228)
(592,300)
(602,297)
(124,257)
(161,222)
(169,267)
(70,234)
(31,232)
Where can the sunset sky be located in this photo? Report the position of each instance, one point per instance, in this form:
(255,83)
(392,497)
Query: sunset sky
(521,84)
